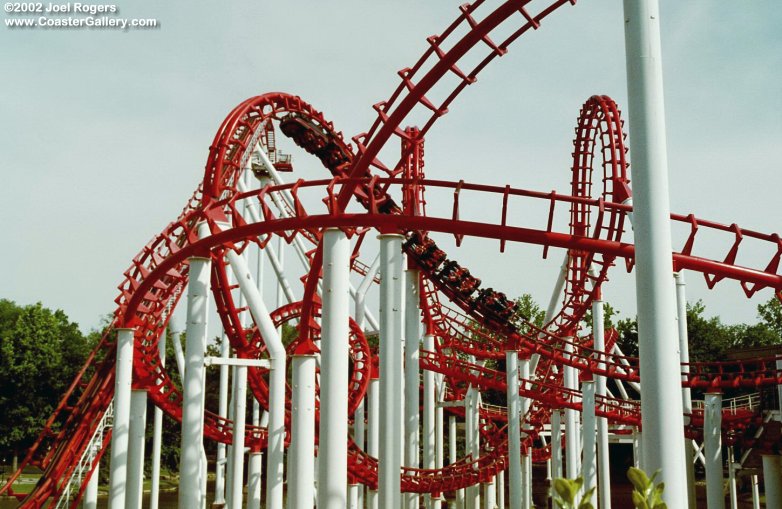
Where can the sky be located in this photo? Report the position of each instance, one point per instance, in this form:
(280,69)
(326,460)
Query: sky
(104,133)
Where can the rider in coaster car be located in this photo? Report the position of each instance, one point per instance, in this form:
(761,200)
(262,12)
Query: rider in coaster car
(449,270)
(468,284)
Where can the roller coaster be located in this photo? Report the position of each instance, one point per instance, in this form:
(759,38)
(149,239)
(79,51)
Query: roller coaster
(243,204)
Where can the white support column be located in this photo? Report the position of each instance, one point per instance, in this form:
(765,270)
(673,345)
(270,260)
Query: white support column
(603,462)
(501,489)
(732,467)
(661,409)
(195,372)
(556,443)
(589,430)
(712,440)
(526,474)
(334,368)
(472,419)
(360,314)
(220,467)
(514,428)
(136,435)
(439,384)
(637,448)
(229,448)
(301,482)
(755,492)
(772,480)
(91,492)
(255,464)
(452,431)
(684,352)
(554,304)
(526,459)
(391,332)
(119,435)
(490,494)
(157,436)
(430,407)
(412,385)
(239,417)
(373,431)
(572,431)
(276,445)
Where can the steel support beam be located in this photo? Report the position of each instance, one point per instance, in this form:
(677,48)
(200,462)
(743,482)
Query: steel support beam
(514,427)
(136,436)
(334,369)
(772,479)
(157,434)
(589,430)
(603,461)
(412,385)
(301,482)
(193,392)
(712,441)
(661,408)
(391,337)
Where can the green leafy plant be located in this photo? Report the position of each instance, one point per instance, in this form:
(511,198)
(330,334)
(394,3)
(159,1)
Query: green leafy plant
(566,492)
(646,495)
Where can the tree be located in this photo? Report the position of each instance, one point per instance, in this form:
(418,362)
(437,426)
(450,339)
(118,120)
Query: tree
(40,353)
(529,309)
(771,315)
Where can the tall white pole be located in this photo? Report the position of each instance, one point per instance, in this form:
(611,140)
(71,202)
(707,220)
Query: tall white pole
(712,449)
(452,431)
(603,462)
(490,494)
(136,435)
(572,433)
(239,418)
(772,479)
(514,427)
(157,435)
(526,459)
(501,489)
(359,431)
(526,475)
(661,408)
(119,435)
(637,448)
(755,492)
(373,430)
(255,464)
(556,443)
(439,384)
(301,483)
(472,441)
(684,349)
(412,373)
(732,467)
(589,429)
(391,333)
(276,444)
(334,367)
(91,492)
(430,407)
(195,374)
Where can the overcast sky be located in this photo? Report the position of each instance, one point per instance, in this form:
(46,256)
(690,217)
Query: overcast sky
(104,134)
